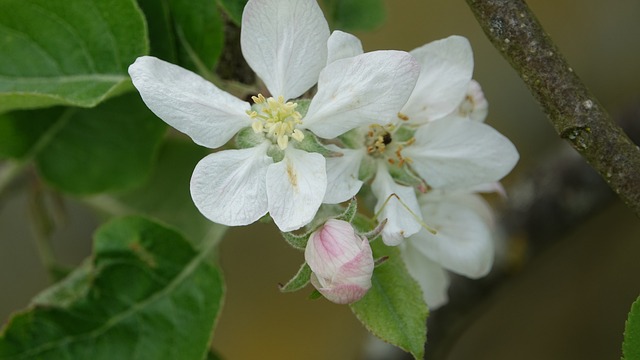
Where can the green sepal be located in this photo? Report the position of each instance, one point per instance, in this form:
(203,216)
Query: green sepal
(275,153)
(405,176)
(247,138)
(310,143)
(367,169)
(379,261)
(350,212)
(373,234)
(303,106)
(403,134)
(326,211)
(315,295)
(353,139)
(299,280)
(297,241)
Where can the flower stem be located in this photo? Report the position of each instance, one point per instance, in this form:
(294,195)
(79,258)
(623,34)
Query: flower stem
(9,172)
(575,113)
(42,228)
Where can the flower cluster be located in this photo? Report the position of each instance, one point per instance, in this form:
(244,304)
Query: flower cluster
(410,125)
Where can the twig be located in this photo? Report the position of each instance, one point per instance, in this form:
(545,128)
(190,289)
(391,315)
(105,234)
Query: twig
(545,204)
(574,112)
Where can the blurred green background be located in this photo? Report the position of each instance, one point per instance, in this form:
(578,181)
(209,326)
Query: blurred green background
(570,302)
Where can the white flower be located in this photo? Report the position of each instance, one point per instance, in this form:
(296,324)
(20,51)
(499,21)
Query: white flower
(285,43)
(463,243)
(474,106)
(341,261)
(459,152)
(447,150)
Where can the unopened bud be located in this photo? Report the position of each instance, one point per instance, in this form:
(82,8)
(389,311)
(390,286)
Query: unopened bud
(341,261)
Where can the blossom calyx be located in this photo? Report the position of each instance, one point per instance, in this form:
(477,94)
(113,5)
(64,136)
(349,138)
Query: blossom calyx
(341,261)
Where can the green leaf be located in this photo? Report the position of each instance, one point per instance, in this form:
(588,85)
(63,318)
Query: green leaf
(234,9)
(631,344)
(165,195)
(200,31)
(187,32)
(393,309)
(68,290)
(84,151)
(111,147)
(21,130)
(352,15)
(147,294)
(161,35)
(73,52)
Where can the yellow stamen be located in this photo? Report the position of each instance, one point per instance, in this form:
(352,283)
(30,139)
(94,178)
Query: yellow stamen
(403,117)
(277,119)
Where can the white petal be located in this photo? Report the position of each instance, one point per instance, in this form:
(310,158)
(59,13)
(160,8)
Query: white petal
(474,106)
(433,280)
(228,187)
(361,90)
(492,187)
(447,67)
(477,104)
(295,188)
(401,222)
(343,45)
(342,175)
(464,242)
(285,43)
(188,102)
(460,153)
(466,197)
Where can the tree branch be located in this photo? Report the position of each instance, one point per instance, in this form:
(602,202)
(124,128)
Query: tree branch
(575,113)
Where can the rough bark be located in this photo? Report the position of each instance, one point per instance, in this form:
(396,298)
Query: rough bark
(575,113)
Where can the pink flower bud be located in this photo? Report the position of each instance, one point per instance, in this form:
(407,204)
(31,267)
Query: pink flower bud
(341,261)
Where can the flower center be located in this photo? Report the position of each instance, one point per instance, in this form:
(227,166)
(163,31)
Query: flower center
(380,144)
(276,119)
(377,139)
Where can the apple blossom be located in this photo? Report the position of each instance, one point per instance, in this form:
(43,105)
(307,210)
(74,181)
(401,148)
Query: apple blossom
(437,140)
(463,243)
(285,43)
(341,262)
